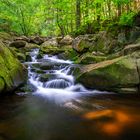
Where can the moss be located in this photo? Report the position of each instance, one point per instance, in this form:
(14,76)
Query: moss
(118,73)
(5,36)
(10,67)
(51,50)
(89,58)
(2,84)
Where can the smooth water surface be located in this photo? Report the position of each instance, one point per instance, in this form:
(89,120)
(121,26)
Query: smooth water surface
(108,117)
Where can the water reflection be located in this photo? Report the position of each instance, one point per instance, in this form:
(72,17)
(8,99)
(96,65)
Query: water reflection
(112,122)
(108,117)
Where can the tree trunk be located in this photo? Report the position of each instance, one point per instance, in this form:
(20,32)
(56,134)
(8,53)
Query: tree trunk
(78,14)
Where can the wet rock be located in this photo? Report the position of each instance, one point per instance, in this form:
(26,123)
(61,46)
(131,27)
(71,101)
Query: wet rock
(21,57)
(43,66)
(69,54)
(46,66)
(44,77)
(28,57)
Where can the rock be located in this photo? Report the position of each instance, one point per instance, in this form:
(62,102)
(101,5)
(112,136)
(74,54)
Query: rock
(46,66)
(51,50)
(88,58)
(67,40)
(81,44)
(12,72)
(105,43)
(100,42)
(122,38)
(21,57)
(59,38)
(131,48)
(22,38)
(30,46)
(68,54)
(18,44)
(111,75)
(44,77)
(28,57)
(50,43)
(37,40)
(134,35)
(43,66)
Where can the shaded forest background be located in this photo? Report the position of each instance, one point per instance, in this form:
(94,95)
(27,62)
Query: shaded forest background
(61,17)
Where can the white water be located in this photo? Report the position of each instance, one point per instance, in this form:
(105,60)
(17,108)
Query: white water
(61,87)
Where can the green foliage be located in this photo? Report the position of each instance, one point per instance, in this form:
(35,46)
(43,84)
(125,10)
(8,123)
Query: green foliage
(126,19)
(61,17)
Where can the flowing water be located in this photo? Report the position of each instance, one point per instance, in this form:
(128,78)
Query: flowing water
(58,108)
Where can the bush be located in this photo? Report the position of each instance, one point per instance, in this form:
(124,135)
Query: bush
(126,19)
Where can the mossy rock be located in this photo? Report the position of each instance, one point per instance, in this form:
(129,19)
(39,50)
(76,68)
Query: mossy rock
(12,72)
(51,50)
(68,54)
(111,74)
(44,77)
(89,58)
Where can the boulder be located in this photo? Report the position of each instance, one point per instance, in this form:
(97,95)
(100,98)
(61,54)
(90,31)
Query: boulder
(12,72)
(100,42)
(30,46)
(23,38)
(89,58)
(18,44)
(68,54)
(112,75)
(37,40)
(67,40)
(44,77)
(81,44)
(51,42)
(50,50)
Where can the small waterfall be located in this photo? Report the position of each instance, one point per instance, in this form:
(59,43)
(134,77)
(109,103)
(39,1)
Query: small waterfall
(59,83)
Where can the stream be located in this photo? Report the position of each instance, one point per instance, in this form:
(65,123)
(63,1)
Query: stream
(58,108)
